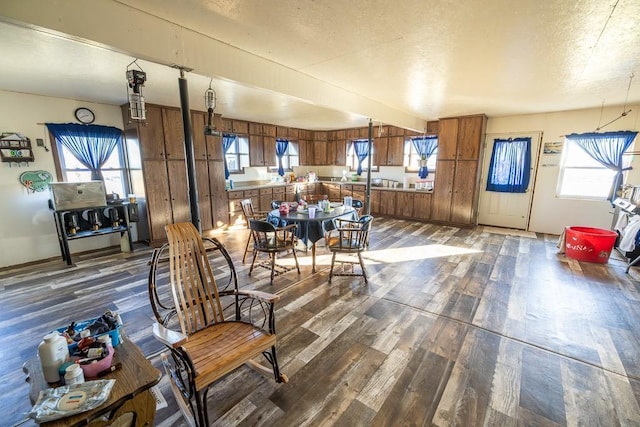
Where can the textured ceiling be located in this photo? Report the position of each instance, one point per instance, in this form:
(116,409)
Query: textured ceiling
(425,59)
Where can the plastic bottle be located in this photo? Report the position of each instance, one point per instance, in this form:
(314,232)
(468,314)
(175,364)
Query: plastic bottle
(106,339)
(53,352)
(73,375)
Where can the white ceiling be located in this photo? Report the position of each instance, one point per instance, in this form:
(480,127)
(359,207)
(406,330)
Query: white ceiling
(412,58)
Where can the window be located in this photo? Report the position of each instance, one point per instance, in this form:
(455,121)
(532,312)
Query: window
(91,152)
(352,158)
(412,158)
(237,156)
(114,170)
(290,159)
(581,176)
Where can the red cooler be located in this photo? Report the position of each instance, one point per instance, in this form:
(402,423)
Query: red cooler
(589,244)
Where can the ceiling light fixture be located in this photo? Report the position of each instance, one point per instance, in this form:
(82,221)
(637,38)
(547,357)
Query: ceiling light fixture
(136,80)
(210,103)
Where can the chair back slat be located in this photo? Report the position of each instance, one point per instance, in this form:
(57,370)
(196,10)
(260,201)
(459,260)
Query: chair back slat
(193,285)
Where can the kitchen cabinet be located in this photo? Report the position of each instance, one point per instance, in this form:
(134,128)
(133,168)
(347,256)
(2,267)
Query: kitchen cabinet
(380,149)
(388,200)
(262,144)
(238,127)
(306,153)
(388,151)
(405,204)
(165,174)
(460,141)
(422,206)
(375,201)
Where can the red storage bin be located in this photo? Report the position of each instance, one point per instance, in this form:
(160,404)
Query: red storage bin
(589,244)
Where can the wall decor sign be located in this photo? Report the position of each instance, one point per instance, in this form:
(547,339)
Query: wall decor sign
(36,181)
(15,148)
(552,147)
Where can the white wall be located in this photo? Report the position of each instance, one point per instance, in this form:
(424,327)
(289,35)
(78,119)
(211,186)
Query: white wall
(550,214)
(27,230)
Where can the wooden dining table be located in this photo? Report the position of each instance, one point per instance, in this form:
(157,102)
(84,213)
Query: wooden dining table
(311,230)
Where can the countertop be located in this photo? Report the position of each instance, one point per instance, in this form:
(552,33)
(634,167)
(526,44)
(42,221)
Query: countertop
(240,187)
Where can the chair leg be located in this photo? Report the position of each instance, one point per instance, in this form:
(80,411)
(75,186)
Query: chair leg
(333,260)
(246,248)
(273,266)
(255,254)
(364,271)
(295,257)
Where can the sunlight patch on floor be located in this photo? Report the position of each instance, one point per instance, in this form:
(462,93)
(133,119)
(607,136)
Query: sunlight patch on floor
(382,256)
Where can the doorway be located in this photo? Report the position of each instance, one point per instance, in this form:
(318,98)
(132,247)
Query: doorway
(509,210)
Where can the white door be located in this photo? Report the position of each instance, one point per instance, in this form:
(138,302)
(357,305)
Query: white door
(509,210)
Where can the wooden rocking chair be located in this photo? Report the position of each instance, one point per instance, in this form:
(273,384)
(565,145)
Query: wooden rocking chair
(221,327)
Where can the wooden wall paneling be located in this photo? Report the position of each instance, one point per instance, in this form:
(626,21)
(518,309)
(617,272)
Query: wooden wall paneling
(157,195)
(306,152)
(179,191)
(173,133)
(388,201)
(340,152)
(363,132)
(294,134)
(219,200)
(227,125)
(422,206)
(151,135)
(443,190)
(464,188)
(404,207)
(395,151)
(448,139)
(204,195)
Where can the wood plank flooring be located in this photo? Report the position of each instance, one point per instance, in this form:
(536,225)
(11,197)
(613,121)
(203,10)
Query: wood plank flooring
(457,327)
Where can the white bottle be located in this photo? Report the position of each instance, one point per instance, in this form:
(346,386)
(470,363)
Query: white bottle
(73,375)
(53,352)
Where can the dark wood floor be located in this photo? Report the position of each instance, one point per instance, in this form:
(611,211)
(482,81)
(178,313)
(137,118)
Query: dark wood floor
(456,327)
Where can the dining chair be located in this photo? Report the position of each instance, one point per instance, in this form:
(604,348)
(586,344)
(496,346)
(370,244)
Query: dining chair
(250,213)
(349,237)
(268,238)
(208,324)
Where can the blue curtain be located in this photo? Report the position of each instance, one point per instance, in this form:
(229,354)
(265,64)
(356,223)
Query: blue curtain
(361,147)
(90,144)
(510,167)
(227,141)
(425,146)
(607,149)
(281,150)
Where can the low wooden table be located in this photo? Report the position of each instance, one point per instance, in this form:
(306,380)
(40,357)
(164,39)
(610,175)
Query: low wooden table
(131,392)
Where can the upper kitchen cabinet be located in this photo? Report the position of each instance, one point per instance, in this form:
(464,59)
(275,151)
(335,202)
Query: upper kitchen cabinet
(205,147)
(460,138)
(238,127)
(262,144)
(152,134)
(173,133)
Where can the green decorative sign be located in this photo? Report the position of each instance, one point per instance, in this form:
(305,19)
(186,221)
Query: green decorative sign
(36,181)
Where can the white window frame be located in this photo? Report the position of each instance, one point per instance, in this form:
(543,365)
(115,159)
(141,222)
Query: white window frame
(352,159)
(239,154)
(290,159)
(582,177)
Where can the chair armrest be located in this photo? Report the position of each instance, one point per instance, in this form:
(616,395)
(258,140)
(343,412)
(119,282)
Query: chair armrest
(287,227)
(168,337)
(262,296)
(259,295)
(260,214)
